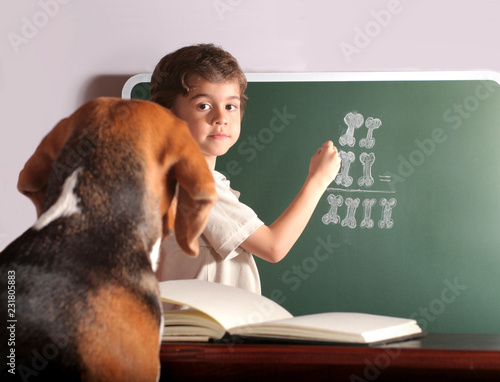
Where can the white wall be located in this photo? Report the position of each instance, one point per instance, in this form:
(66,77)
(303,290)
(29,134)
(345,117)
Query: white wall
(57,54)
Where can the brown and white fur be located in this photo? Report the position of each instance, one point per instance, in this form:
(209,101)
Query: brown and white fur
(103,181)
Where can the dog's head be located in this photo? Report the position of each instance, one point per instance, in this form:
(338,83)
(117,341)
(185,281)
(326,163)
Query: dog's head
(173,160)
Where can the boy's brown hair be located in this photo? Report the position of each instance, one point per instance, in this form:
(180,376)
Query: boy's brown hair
(174,72)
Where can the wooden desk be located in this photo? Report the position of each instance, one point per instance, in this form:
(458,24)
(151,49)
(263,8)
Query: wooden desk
(438,357)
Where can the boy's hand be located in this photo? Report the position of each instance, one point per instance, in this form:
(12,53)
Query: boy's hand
(325,164)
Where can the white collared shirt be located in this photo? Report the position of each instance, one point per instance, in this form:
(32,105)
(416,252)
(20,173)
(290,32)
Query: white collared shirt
(220,257)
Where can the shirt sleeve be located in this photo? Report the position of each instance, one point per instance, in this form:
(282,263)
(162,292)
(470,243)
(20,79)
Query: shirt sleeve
(230,222)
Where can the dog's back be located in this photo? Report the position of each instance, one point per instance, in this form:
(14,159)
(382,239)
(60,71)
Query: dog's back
(84,296)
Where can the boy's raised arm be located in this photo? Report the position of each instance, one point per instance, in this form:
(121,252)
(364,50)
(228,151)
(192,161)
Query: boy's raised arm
(273,242)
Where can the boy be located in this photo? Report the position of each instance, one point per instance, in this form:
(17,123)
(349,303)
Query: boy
(205,86)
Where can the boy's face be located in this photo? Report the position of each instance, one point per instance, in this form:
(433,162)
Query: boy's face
(212,112)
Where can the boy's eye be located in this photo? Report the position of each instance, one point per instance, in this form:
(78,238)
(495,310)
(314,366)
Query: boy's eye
(231,107)
(204,106)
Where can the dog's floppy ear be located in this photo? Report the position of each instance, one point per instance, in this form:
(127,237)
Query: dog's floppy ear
(185,174)
(195,196)
(34,177)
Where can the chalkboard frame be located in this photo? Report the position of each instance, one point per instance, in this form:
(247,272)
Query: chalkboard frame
(341,76)
(443,307)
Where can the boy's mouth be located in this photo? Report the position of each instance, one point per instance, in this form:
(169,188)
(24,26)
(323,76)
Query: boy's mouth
(219,136)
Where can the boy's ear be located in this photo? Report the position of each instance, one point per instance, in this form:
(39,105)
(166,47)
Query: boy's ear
(172,110)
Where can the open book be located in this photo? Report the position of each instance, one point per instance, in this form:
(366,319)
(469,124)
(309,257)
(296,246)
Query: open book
(216,312)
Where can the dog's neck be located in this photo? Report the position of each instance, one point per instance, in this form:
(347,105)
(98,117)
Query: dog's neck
(85,201)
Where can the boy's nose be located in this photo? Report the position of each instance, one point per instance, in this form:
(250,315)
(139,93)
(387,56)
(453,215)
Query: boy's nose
(219,117)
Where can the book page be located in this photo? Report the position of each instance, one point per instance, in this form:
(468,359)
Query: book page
(227,305)
(348,327)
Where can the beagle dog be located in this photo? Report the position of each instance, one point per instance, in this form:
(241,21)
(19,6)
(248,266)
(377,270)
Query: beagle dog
(83,301)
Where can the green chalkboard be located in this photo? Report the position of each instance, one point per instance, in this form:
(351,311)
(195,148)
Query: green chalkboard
(411,226)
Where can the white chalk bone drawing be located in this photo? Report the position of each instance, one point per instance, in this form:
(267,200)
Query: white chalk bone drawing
(350,219)
(367,178)
(371,124)
(343,177)
(367,221)
(332,216)
(353,121)
(387,207)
